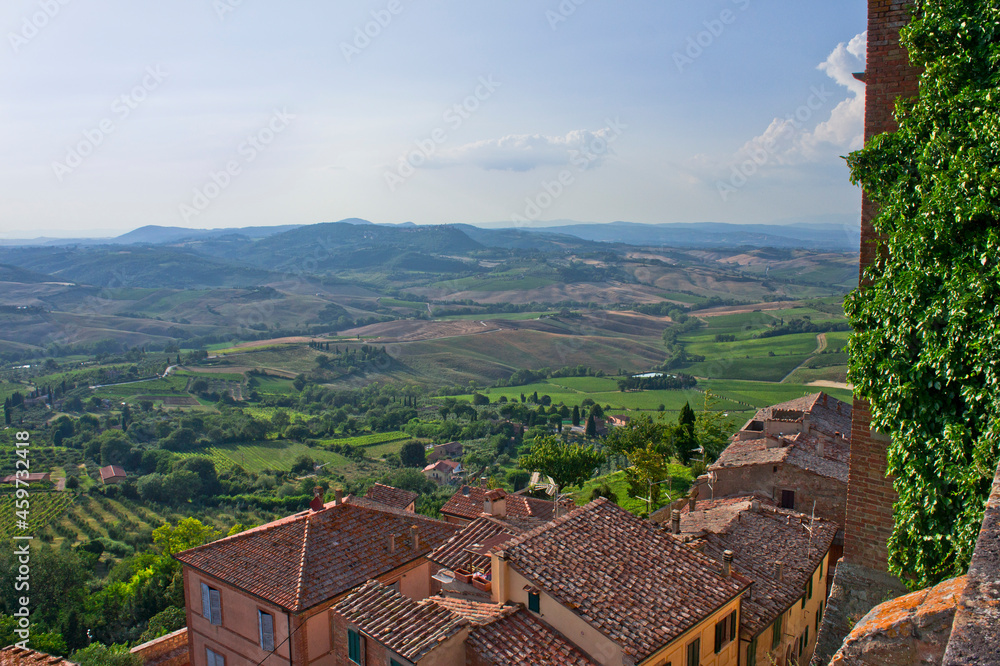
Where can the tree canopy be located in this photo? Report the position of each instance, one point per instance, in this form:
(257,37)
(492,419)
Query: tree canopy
(926,352)
(567,464)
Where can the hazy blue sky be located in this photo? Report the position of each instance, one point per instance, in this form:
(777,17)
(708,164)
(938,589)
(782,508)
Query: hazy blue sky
(220,113)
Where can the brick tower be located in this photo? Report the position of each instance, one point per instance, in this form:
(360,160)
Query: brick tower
(862,580)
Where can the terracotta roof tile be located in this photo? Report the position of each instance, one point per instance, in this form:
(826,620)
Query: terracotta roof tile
(466,548)
(758,539)
(390,496)
(521,638)
(624,576)
(477,612)
(112,471)
(15,656)
(409,628)
(310,557)
(519,507)
(820,451)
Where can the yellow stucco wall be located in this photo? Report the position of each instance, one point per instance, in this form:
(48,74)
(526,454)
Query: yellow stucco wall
(796,619)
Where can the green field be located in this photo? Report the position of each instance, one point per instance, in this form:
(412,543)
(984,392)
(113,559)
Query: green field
(397,303)
(509,281)
(164,386)
(762,394)
(44,507)
(680,476)
(221,376)
(586,384)
(510,316)
(274,385)
(256,457)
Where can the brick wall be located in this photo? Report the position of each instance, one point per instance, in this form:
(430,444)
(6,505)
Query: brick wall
(870,495)
(169,650)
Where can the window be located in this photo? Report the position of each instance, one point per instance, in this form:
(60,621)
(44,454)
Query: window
(819,616)
(752,652)
(694,652)
(805,638)
(534,602)
(803,601)
(787,499)
(809,588)
(776,637)
(214,658)
(354,646)
(211,604)
(393,662)
(725,631)
(265,627)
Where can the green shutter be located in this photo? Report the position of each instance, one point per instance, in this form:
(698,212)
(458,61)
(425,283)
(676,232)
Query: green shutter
(354,646)
(534,602)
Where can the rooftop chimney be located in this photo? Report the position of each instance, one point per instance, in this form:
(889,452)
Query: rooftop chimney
(392,543)
(820,448)
(755,505)
(675,521)
(338,497)
(415,537)
(727,563)
(779,571)
(692,503)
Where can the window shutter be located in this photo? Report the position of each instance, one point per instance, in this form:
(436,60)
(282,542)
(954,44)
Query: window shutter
(732,626)
(534,602)
(206,605)
(266,626)
(216,604)
(720,627)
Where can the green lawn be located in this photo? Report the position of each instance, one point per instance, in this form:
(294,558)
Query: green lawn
(274,385)
(762,394)
(681,479)
(586,384)
(256,457)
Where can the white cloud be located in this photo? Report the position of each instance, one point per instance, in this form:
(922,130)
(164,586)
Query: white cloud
(523,152)
(810,133)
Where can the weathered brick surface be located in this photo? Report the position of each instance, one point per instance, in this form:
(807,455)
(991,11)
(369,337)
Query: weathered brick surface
(888,76)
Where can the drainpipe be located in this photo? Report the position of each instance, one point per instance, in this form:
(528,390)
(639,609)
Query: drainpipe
(288,617)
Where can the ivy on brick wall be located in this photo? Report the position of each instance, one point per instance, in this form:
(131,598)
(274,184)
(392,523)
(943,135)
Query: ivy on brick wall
(926,352)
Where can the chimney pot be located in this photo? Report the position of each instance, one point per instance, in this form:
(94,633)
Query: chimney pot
(755,506)
(675,522)
(392,543)
(779,573)
(415,537)
(692,503)
(727,563)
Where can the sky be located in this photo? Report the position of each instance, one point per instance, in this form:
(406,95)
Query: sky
(115,114)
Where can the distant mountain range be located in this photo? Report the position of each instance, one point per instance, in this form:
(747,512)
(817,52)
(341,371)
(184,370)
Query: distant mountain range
(833,233)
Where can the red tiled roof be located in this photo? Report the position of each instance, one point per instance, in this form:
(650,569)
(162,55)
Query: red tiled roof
(390,496)
(466,547)
(32,477)
(518,506)
(310,557)
(112,471)
(827,417)
(758,539)
(409,628)
(521,638)
(624,576)
(446,466)
(476,612)
(15,656)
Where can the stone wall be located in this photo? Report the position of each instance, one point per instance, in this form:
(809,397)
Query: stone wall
(975,638)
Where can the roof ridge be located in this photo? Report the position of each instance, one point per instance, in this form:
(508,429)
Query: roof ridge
(299,588)
(555,522)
